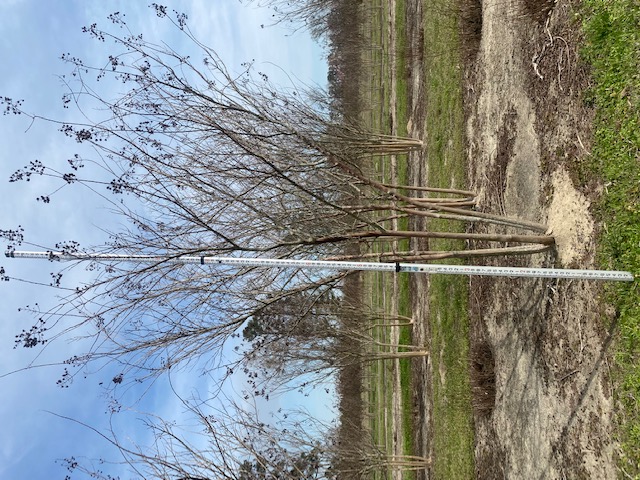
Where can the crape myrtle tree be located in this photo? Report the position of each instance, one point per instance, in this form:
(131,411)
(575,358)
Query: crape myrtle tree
(235,442)
(307,337)
(227,442)
(204,161)
(207,164)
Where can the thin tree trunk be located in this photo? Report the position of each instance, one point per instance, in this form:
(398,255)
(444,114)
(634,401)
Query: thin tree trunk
(490,237)
(455,191)
(396,355)
(488,217)
(411,256)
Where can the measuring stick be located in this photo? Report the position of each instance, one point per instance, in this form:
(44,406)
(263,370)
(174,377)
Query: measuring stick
(338,265)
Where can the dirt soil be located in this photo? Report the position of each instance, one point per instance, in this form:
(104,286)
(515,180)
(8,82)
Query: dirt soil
(527,129)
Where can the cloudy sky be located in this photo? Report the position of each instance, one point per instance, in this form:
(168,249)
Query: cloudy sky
(33,35)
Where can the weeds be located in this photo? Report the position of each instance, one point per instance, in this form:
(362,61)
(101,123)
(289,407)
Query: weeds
(483,379)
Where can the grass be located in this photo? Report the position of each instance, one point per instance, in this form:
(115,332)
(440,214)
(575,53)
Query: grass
(612,30)
(403,280)
(446,162)
(382,373)
(377,84)
(453,435)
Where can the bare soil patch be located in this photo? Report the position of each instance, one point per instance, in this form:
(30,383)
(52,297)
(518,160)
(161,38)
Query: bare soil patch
(526,127)
(545,341)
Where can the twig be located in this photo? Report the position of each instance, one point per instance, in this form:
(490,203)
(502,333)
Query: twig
(568,375)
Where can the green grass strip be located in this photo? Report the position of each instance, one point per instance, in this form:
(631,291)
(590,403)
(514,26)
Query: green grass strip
(402,100)
(453,434)
(612,30)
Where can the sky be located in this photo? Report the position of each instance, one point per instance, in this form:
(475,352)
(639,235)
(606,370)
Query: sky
(33,35)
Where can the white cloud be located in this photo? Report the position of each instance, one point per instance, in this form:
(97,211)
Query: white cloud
(246,34)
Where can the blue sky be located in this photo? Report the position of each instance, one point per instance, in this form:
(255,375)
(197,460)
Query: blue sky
(33,35)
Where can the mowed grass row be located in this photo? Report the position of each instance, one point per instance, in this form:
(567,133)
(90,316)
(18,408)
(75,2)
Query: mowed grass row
(612,31)
(377,88)
(402,176)
(453,434)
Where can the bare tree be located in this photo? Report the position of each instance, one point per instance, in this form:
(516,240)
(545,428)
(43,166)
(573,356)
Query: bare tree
(237,443)
(303,340)
(229,442)
(202,161)
(313,15)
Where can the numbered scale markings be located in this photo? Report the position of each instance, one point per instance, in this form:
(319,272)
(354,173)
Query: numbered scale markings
(337,265)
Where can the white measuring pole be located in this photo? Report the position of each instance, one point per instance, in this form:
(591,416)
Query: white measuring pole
(338,265)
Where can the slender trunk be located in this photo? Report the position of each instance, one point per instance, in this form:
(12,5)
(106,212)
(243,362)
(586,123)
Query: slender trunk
(395,355)
(395,345)
(413,255)
(429,202)
(470,216)
(487,217)
(465,193)
(490,237)
(384,325)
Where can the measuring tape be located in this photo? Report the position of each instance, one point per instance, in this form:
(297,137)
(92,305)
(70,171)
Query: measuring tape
(520,272)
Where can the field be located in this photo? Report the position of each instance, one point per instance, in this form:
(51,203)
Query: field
(399,72)
(516,102)
(389,392)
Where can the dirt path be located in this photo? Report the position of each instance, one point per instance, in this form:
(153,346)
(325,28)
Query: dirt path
(526,124)
(421,369)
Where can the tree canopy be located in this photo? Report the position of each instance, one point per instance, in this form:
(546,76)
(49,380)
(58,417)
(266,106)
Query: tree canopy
(203,161)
